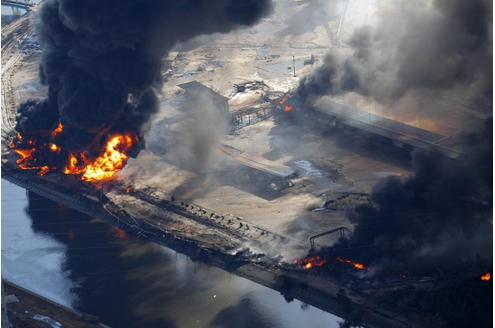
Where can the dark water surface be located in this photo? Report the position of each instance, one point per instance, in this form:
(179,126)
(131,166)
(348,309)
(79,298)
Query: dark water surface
(96,268)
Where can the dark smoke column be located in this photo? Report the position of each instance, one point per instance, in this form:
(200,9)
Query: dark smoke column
(102,59)
(441,217)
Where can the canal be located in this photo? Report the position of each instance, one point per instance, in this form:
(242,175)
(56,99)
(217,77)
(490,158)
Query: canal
(95,268)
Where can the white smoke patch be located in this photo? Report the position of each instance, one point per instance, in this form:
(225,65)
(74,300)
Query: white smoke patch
(282,251)
(148,168)
(304,17)
(439,49)
(189,136)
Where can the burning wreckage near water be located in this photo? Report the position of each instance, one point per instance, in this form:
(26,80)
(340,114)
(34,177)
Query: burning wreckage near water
(438,222)
(424,240)
(102,67)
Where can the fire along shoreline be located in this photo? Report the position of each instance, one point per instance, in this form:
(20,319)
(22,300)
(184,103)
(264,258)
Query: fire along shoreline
(189,234)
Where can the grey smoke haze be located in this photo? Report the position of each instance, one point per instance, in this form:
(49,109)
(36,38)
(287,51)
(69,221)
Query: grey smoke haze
(312,14)
(97,53)
(442,215)
(414,47)
(190,141)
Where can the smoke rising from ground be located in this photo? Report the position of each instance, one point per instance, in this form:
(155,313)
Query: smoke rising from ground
(101,61)
(191,142)
(446,45)
(312,14)
(441,215)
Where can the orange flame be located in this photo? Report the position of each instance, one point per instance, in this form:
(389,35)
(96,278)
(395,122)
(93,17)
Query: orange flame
(25,155)
(26,158)
(114,159)
(102,168)
(44,170)
(54,147)
(105,166)
(357,265)
(57,130)
(310,262)
(286,108)
(71,166)
(24,161)
(486,277)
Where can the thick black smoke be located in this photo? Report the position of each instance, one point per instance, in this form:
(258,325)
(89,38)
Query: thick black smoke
(442,215)
(415,47)
(102,59)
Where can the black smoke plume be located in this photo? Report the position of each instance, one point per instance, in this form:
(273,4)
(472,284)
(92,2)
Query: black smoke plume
(447,46)
(440,216)
(101,61)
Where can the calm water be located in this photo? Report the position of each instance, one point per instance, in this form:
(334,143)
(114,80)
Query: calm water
(95,268)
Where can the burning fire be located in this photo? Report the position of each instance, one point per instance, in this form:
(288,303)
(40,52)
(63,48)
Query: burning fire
(54,147)
(58,130)
(318,261)
(486,277)
(311,262)
(103,167)
(24,162)
(286,108)
(357,265)
(27,156)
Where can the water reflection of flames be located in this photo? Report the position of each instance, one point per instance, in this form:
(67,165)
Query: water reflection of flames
(102,168)
(486,277)
(311,262)
(119,233)
(71,235)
